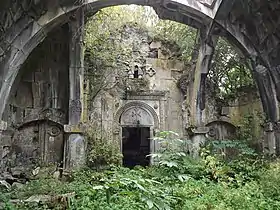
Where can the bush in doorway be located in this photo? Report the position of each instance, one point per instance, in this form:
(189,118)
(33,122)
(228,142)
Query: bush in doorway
(102,152)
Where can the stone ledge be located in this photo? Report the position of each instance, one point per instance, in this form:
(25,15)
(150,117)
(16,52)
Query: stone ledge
(198,130)
(74,128)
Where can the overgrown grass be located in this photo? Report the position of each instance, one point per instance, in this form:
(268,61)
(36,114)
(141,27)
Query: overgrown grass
(177,181)
(158,188)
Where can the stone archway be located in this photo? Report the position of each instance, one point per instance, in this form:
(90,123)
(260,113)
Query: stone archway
(22,36)
(139,105)
(140,119)
(26,23)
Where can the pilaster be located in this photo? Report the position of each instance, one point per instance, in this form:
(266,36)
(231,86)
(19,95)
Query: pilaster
(198,138)
(75,146)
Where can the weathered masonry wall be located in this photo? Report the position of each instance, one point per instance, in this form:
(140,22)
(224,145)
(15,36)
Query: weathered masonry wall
(40,114)
(38,106)
(158,70)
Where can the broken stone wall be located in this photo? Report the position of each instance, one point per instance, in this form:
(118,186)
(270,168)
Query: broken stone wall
(158,69)
(245,114)
(38,106)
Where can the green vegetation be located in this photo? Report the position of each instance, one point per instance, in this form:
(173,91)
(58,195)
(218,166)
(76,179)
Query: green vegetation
(175,181)
(106,54)
(228,174)
(101,152)
(229,72)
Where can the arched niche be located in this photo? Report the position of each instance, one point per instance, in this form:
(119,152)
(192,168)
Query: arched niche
(136,116)
(38,142)
(221,130)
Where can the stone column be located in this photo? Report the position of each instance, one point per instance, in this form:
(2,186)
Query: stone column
(267,91)
(269,144)
(268,95)
(197,102)
(197,99)
(198,139)
(75,147)
(4,148)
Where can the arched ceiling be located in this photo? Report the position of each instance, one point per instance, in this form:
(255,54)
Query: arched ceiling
(252,24)
(25,23)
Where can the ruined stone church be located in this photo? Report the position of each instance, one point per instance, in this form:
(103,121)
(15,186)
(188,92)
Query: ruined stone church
(44,97)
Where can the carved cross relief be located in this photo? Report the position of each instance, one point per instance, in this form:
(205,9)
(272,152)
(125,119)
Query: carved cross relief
(136,116)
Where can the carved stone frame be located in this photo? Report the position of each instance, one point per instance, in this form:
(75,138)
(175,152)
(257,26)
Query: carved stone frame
(118,127)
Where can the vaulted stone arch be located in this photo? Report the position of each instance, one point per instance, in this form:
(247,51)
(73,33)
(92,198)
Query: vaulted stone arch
(27,30)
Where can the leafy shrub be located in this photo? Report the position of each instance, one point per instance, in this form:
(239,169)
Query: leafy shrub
(176,181)
(231,161)
(101,152)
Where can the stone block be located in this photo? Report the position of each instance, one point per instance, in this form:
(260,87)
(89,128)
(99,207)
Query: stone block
(74,128)
(225,111)
(3,125)
(200,130)
(77,151)
(6,140)
(155,45)
(49,16)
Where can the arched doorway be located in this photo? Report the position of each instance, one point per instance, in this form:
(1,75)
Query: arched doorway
(137,122)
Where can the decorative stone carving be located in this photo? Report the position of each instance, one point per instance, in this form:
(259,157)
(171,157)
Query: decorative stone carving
(137,71)
(54,131)
(75,106)
(136,116)
(140,105)
(54,115)
(75,111)
(150,70)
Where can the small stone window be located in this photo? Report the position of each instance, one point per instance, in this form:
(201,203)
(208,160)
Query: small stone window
(136,73)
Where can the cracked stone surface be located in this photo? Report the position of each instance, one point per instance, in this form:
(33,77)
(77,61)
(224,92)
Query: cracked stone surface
(253,26)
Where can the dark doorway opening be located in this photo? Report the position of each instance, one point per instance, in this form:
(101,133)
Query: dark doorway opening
(135,146)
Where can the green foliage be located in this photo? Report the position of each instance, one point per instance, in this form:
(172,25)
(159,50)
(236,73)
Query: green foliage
(229,71)
(107,55)
(250,126)
(214,181)
(101,152)
(171,150)
(232,162)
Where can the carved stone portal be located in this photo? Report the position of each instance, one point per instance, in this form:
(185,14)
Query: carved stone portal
(136,116)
